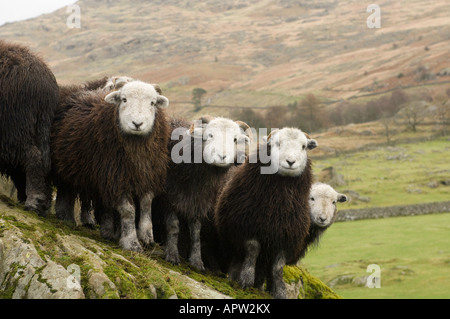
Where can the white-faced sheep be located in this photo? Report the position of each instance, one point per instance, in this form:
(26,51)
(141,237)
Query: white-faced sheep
(28,101)
(322,200)
(263,217)
(67,93)
(114,148)
(201,156)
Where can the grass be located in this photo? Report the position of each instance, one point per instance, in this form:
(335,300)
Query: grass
(399,175)
(413,253)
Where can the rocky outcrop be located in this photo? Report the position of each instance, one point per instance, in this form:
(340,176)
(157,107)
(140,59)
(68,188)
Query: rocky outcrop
(42,258)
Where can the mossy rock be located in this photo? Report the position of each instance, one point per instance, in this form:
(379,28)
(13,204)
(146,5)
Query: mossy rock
(106,271)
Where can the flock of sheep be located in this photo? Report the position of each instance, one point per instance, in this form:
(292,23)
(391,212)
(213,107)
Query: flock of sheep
(109,143)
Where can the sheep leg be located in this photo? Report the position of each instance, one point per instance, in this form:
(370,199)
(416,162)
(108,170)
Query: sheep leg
(195,257)
(128,237)
(64,206)
(260,275)
(234,269)
(145,229)
(247,276)
(38,188)
(278,287)
(86,214)
(173,229)
(19,181)
(105,216)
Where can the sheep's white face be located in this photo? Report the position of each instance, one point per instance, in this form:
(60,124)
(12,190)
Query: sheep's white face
(323,199)
(138,103)
(221,138)
(289,151)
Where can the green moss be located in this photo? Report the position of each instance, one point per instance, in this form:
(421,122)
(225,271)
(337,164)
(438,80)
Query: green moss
(314,288)
(12,283)
(217,281)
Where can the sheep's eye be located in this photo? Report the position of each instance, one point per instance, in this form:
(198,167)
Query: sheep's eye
(334,202)
(277,144)
(152,103)
(235,139)
(312,198)
(124,100)
(210,135)
(303,147)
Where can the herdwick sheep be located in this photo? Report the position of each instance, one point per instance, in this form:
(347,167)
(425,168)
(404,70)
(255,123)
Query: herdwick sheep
(113,147)
(67,92)
(28,101)
(201,156)
(263,219)
(322,201)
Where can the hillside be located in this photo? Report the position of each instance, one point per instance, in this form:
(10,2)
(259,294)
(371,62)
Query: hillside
(246,53)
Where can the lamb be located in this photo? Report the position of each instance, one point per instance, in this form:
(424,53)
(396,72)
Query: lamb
(263,216)
(323,199)
(193,180)
(113,147)
(28,101)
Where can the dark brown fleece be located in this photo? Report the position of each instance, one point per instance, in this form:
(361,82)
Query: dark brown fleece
(93,156)
(28,100)
(272,209)
(192,187)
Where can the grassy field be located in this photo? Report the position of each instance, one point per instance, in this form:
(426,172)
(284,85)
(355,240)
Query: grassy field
(412,252)
(397,175)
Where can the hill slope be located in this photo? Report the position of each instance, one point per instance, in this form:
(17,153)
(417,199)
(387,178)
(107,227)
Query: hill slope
(252,53)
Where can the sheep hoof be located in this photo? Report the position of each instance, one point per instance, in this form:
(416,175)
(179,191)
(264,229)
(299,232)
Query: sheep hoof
(88,221)
(174,259)
(146,237)
(130,244)
(247,278)
(37,204)
(197,264)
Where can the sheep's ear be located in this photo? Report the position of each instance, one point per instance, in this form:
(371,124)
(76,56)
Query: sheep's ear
(312,144)
(196,131)
(162,102)
(113,97)
(268,137)
(157,88)
(342,198)
(246,129)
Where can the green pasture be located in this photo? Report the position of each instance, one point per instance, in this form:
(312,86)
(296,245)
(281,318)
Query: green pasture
(413,254)
(397,175)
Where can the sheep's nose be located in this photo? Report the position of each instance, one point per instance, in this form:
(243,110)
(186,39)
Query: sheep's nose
(222,157)
(137,125)
(322,219)
(290,163)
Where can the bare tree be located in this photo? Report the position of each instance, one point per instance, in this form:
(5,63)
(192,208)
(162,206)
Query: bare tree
(310,104)
(443,113)
(414,114)
(387,123)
